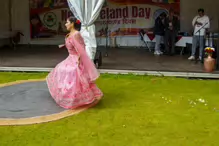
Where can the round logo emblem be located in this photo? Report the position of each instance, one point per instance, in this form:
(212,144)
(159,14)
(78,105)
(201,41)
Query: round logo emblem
(50,19)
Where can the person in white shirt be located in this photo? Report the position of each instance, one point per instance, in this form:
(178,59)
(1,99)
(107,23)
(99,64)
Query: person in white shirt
(200,23)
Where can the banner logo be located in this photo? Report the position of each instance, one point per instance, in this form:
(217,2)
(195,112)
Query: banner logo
(50,19)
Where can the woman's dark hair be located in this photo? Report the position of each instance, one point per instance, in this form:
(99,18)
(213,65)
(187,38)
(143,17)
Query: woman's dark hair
(201,10)
(77,23)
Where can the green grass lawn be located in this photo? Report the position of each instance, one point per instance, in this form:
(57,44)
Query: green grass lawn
(135,111)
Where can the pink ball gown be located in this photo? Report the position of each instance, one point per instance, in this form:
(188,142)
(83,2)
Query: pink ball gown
(71,84)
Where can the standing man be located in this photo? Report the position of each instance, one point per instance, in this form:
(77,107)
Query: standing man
(159,33)
(171,31)
(200,23)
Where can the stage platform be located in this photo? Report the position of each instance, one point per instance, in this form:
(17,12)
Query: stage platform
(119,59)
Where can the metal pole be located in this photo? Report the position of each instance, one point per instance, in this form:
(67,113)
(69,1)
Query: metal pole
(217,49)
(107,32)
(10,14)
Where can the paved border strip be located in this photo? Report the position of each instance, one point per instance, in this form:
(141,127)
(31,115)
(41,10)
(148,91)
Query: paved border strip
(111,71)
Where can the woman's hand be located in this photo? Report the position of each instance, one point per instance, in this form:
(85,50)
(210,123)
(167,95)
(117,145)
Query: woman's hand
(79,60)
(61,46)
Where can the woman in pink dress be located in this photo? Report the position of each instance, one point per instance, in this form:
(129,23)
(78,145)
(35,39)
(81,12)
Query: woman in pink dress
(71,82)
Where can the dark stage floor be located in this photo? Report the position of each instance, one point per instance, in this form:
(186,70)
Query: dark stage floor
(119,58)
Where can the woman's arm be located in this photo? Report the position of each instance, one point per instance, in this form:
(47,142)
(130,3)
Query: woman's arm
(78,43)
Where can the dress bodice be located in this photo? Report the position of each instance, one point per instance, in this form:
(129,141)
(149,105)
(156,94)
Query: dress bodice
(75,44)
(70,45)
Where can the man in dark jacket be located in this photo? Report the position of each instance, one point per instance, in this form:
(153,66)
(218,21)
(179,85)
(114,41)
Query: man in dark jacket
(159,33)
(171,31)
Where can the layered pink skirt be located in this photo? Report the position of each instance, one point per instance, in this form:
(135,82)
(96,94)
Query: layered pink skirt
(69,84)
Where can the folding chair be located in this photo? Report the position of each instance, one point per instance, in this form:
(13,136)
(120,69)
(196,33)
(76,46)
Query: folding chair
(142,33)
(98,58)
(15,39)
